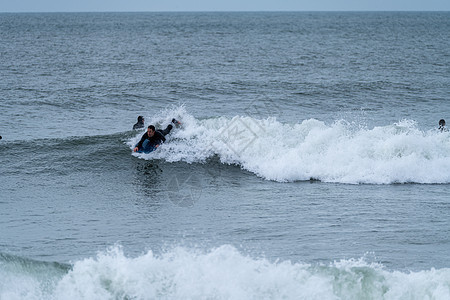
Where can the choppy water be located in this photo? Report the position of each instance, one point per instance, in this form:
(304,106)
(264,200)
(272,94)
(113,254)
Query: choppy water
(307,166)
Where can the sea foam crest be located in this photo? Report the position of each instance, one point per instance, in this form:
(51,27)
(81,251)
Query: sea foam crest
(218,273)
(224,273)
(340,152)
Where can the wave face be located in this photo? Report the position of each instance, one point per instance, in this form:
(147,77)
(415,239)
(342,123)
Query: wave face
(341,152)
(221,273)
(22,278)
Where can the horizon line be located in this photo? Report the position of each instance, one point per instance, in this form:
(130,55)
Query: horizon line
(214,11)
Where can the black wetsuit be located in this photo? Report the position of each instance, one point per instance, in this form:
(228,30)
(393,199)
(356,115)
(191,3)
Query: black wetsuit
(138,125)
(156,139)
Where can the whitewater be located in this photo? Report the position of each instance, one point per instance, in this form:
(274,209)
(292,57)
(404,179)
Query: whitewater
(340,152)
(220,273)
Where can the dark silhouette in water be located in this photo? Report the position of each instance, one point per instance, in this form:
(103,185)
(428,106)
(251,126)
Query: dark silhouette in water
(140,123)
(442,125)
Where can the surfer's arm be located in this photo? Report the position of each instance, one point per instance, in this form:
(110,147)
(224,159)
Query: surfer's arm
(160,137)
(139,145)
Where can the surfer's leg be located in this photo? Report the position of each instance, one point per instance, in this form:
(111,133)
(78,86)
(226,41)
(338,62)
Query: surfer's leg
(167,130)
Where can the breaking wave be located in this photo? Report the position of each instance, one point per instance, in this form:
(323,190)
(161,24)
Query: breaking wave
(220,273)
(341,152)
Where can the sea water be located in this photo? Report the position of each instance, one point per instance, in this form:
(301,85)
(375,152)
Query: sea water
(308,164)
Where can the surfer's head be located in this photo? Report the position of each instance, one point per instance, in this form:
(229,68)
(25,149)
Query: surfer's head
(441,122)
(151,130)
(140,119)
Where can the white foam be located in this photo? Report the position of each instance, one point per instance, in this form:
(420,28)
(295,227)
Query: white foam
(218,273)
(339,152)
(20,287)
(224,273)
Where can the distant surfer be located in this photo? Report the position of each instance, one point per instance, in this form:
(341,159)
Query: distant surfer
(442,125)
(140,123)
(153,138)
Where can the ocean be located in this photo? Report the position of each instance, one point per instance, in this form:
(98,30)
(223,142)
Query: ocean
(308,163)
